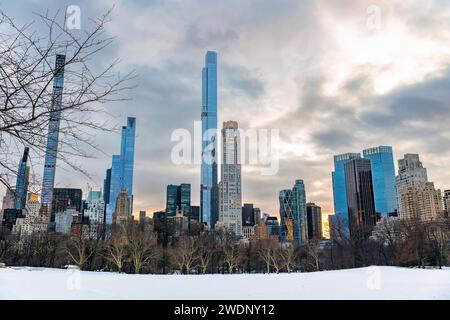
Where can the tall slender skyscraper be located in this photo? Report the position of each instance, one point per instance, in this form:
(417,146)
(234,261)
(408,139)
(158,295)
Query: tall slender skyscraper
(22,181)
(230,193)
(299,202)
(121,179)
(383,177)
(208,184)
(360,199)
(339,190)
(48,180)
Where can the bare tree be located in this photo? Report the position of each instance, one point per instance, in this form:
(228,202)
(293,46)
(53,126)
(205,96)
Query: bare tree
(79,249)
(27,72)
(206,250)
(288,256)
(267,250)
(142,246)
(312,250)
(437,239)
(116,248)
(230,249)
(184,253)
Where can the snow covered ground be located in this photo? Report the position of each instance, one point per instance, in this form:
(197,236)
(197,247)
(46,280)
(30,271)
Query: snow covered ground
(363,283)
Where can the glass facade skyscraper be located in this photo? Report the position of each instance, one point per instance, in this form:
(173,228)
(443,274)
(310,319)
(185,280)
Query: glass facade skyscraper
(383,176)
(293,213)
(286,214)
(360,199)
(299,212)
(339,190)
(208,181)
(122,168)
(48,179)
(22,181)
(178,197)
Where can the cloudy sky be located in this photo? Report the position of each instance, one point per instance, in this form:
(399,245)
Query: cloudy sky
(332,76)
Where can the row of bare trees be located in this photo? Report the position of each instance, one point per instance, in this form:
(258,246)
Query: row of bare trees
(135,248)
(396,242)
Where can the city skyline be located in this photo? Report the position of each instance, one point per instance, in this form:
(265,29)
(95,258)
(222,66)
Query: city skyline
(386,109)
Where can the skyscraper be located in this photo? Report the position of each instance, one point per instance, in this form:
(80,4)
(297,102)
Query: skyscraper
(383,177)
(360,199)
(339,189)
(208,184)
(178,197)
(107,187)
(48,180)
(22,181)
(123,208)
(314,218)
(185,198)
(230,193)
(299,212)
(286,214)
(417,198)
(172,199)
(121,174)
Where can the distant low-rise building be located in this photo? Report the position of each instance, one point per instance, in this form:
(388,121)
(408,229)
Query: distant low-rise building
(10,216)
(248,232)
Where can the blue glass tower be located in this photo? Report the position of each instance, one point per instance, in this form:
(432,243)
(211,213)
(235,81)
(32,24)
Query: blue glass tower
(299,212)
(121,174)
(383,178)
(48,179)
(208,181)
(22,181)
(339,188)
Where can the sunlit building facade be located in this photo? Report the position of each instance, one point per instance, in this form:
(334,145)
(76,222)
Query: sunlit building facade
(287,214)
(417,197)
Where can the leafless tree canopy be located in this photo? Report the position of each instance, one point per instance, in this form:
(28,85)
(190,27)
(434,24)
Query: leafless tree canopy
(27,63)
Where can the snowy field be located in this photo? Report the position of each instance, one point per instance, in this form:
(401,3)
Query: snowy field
(364,283)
